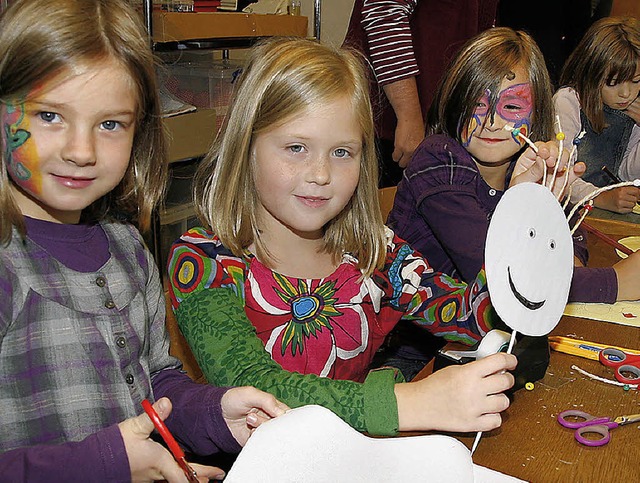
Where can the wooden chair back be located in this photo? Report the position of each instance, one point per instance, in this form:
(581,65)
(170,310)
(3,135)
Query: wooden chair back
(386,197)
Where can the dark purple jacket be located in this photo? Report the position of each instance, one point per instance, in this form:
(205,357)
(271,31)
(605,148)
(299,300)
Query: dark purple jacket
(443,206)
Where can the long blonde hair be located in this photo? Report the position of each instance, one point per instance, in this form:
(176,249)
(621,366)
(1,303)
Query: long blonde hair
(282,78)
(41,40)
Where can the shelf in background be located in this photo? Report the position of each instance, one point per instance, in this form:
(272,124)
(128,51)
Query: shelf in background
(177,27)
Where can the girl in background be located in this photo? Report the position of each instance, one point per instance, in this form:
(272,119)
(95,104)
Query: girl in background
(461,170)
(82,318)
(295,282)
(599,95)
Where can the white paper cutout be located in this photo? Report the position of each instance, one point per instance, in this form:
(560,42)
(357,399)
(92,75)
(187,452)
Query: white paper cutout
(311,444)
(529,259)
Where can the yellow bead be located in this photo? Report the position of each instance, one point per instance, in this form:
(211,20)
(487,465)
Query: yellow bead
(560,136)
(529,386)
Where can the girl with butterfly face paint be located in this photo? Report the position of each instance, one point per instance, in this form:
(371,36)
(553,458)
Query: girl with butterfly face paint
(485,136)
(461,170)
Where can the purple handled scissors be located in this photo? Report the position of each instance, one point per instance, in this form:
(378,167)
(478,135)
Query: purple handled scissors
(627,365)
(585,423)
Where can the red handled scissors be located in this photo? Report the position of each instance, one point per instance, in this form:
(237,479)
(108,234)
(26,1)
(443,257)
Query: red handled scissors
(175,449)
(627,365)
(585,423)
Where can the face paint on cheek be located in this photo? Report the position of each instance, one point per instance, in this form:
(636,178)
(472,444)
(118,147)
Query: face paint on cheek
(467,133)
(477,119)
(20,150)
(524,127)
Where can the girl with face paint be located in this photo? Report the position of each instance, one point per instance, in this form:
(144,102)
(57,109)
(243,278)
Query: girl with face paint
(461,170)
(82,312)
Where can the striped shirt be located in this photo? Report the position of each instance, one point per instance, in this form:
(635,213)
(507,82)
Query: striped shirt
(386,23)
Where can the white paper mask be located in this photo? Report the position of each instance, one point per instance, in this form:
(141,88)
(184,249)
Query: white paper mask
(310,444)
(529,259)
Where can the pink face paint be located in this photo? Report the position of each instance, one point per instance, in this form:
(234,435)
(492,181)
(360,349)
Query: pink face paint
(515,105)
(21,156)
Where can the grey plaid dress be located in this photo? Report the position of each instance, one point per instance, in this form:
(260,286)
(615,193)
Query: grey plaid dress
(77,350)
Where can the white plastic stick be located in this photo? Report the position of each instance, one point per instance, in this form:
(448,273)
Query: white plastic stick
(511,129)
(512,342)
(560,138)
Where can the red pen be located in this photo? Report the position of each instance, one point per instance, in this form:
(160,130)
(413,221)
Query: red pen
(168,438)
(615,244)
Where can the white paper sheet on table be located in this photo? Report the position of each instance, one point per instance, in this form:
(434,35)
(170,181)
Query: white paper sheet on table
(311,444)
(623,313)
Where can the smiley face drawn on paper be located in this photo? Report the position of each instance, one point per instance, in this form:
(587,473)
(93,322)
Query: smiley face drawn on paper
(529,259)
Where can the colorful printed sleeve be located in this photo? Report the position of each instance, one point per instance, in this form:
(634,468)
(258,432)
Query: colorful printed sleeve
(442,305)
(208,302)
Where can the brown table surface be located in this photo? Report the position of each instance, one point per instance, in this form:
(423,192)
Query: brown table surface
(531,445)
(614,223)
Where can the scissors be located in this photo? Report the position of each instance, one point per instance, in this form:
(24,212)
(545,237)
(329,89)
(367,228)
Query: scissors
(627,365)
(175,449)
(586,423)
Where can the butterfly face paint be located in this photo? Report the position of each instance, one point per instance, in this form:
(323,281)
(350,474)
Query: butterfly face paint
(20,155)
(514,106)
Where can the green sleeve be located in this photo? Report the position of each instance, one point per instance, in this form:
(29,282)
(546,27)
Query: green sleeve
(230,353)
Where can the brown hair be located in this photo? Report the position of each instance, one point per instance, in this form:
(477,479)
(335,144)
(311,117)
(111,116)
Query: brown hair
(40,40)
(483,62)
(282,78)
(609,52)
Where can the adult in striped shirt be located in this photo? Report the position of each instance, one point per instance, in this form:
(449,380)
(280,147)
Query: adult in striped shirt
(408,44)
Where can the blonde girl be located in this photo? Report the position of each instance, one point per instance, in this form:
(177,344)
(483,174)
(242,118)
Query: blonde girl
(294,282)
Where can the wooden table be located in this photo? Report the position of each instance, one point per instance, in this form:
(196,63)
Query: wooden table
(530,444)
(614,223)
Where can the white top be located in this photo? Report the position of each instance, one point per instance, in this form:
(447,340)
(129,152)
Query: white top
(567,106)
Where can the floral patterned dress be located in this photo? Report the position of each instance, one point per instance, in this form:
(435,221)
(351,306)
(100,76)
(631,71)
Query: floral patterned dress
(332,326)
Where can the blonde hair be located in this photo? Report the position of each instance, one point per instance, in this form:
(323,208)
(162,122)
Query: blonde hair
(483,62)
(609,50)
(41,40)
(281,79)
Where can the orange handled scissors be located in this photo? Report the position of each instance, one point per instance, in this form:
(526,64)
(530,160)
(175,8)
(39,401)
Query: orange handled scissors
(627,365)
(175,449)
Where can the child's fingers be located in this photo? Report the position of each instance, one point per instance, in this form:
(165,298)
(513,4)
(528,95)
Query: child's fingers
(489,421)
(498,382)
(142,425)
(496,403)
(256,417)
(206,473)
(495,363)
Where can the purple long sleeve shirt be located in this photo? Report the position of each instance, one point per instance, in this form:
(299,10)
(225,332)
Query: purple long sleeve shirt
(82,342)
(443,207)
(196,421)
